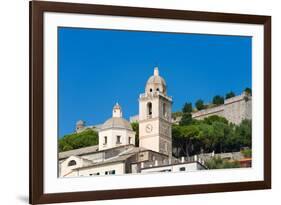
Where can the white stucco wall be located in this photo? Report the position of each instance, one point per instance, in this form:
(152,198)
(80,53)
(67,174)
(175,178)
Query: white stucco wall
(118,167)
(112,134)
(65,169)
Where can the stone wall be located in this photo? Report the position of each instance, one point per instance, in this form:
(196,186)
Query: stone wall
(199,115)
(238,108)
(234,109)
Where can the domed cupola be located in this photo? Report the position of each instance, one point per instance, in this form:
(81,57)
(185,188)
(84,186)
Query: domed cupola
(156,83)
(116,131)
(116,121)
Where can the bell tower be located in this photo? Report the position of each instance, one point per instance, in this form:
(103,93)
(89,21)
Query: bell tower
(155,109)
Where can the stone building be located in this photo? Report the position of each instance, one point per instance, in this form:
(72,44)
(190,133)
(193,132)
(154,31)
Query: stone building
(89,161)
(234,109)
(116,131)
(116,152)
(155,109)
(81,126)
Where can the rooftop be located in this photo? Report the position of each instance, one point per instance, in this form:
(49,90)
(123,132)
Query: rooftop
(77,152)
(117,122)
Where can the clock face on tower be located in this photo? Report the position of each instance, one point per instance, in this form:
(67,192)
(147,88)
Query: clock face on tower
(148,128)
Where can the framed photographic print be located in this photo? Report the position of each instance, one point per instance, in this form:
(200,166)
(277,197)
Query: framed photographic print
(139,102)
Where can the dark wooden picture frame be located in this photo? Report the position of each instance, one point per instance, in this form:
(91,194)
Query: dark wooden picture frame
(37,9)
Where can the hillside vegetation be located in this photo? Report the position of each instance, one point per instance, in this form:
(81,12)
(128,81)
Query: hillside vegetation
(86,138)
(213,133)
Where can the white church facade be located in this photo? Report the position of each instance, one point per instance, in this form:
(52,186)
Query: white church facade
(117,152)
(116,131)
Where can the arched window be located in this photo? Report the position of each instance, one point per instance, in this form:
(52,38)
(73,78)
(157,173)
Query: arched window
(164,110)
(150,89)
(71,163)
(157,89)
(149,109)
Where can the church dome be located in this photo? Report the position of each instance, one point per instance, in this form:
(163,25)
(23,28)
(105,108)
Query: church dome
(156,83)
(116,122)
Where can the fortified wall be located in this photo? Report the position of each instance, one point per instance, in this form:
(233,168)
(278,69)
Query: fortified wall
(234,109)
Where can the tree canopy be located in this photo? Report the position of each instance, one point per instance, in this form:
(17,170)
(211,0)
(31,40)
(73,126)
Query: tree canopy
(135,126)
(213,133)
(229,95)
(248,91)
(86,138)
(199,104)
(218,100)
(187,108)
(186,117)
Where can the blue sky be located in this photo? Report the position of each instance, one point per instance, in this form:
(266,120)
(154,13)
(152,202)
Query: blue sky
(97,68)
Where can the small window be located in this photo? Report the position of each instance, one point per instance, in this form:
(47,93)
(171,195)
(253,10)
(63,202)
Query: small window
(111,172)
(129,140)
(72,163)
(150,90)
(182,169)
(105,140)
(149,109)
(157,89)
(118,139)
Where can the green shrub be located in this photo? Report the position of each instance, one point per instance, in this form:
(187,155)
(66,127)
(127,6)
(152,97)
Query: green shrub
(247,152)
(218,163)
(86,138)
